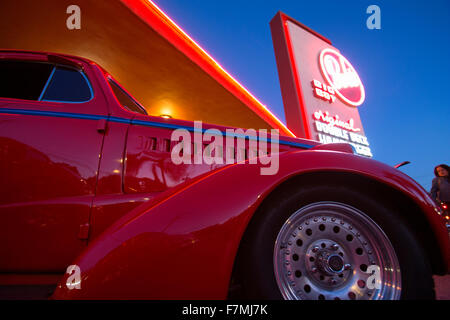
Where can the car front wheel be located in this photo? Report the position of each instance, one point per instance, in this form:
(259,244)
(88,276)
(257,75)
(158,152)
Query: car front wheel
(333,243)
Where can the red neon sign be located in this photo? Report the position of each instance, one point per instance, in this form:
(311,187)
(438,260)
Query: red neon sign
(341,75)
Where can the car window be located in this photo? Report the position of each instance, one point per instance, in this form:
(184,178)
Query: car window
(30,80)
(23,79)
(125,100)
(67,85)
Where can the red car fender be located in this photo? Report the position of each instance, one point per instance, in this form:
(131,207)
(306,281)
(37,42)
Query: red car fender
(183,244)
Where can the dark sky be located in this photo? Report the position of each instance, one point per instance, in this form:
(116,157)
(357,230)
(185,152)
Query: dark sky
(404,67)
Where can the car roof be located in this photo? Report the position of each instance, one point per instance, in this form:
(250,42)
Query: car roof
(43,56)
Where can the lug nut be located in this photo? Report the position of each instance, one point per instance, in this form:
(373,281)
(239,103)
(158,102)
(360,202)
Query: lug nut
(314,270)
(315,249)
(347,266)
(335,247)
(333,281)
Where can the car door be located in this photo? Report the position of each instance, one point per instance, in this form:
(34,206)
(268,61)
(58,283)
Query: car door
(50,148)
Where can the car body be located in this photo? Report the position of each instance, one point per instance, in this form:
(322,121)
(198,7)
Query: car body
(88,181)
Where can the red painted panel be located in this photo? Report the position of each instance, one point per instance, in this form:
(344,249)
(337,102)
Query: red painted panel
(48,166)
(107,209)
(182,245)
(149,167)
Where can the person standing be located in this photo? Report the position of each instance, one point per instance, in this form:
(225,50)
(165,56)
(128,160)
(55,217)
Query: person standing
(440,187)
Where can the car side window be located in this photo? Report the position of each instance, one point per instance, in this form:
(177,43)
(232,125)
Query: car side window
(42,81)
(67,85)
(23,79)
(125,100)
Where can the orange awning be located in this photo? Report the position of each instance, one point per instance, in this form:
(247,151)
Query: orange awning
(153,58)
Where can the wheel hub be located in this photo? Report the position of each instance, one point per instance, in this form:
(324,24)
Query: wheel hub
(335,263)
(324,250)
(327,263)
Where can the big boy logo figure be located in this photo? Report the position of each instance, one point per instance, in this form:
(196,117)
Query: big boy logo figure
(341,75)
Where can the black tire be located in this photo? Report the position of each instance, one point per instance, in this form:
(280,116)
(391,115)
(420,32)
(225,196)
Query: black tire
(256,257)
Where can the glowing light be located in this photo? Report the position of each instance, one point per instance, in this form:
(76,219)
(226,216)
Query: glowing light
(335,121)
(265,110)
(340,74)
(166,116)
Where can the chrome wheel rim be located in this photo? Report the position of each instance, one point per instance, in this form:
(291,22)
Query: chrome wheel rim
(332,251)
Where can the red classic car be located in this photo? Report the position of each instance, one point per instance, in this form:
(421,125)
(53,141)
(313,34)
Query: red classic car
(93,205)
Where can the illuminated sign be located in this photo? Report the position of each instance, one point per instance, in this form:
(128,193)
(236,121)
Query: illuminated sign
(335,121)
(341,75)
(333,130)
(319,86)
(322,91)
